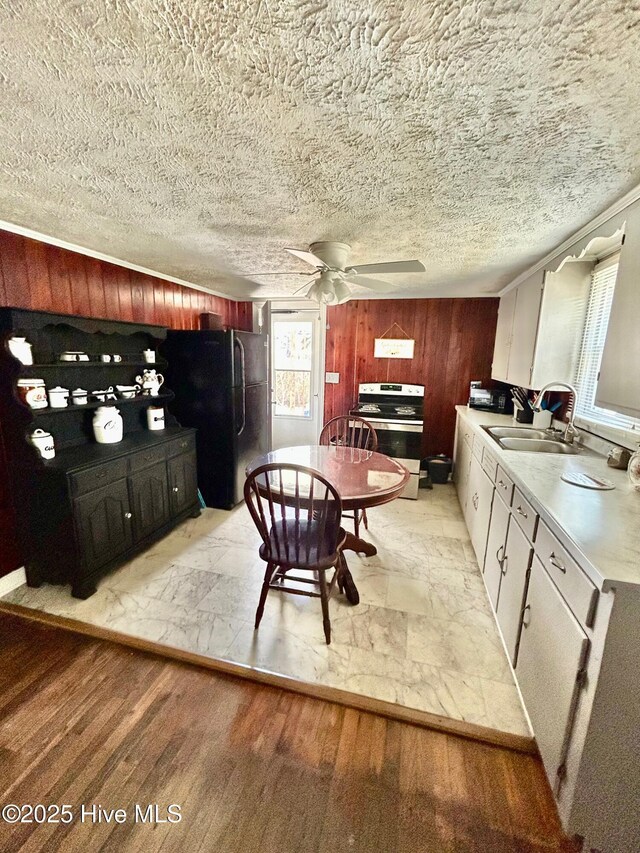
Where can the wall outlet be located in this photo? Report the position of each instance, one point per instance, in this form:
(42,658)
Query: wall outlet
(332,378)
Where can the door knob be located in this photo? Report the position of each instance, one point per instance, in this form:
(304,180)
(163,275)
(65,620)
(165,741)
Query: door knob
(176,489)
(127,515)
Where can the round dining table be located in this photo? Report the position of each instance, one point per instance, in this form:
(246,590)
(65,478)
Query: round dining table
(362,478)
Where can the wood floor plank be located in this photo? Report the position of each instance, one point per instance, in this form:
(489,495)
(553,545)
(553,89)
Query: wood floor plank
(253,767)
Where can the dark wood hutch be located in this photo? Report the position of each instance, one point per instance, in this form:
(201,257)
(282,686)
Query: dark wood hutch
(93,506)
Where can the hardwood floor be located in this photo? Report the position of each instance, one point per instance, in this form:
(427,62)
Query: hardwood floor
(254,768)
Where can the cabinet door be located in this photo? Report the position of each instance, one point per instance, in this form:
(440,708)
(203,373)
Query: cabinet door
(183,482)
(515,574)
(481,511)
(463,460)
(496,544)
(471,507)
(553,651)
(525,328)
(103,519)
(504,328)
(149,499)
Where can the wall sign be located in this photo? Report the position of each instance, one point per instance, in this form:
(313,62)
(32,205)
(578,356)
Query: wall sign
(393,348)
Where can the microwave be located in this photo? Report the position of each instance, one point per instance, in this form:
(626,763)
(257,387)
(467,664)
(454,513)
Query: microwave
(498,401)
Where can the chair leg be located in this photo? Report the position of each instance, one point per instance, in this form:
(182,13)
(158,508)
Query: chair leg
(263,593)
(365,519)
(324,598)
(356,523)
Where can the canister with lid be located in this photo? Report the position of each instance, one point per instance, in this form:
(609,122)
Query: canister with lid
(32,392)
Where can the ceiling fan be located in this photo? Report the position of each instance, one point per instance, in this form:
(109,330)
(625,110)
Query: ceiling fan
(331,286)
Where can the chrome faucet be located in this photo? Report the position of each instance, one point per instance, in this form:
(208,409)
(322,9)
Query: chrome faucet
(570,431)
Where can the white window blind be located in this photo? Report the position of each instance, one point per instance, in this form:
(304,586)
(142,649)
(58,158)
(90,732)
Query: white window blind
(603,281)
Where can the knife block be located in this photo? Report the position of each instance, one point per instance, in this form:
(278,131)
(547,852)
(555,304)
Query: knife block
(524,416)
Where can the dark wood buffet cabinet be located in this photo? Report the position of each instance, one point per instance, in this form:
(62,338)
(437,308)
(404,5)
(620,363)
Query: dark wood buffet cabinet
(93,506)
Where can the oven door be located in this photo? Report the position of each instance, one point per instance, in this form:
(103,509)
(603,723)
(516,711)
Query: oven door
(400,439)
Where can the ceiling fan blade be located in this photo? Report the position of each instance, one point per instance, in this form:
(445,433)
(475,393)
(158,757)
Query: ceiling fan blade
(296,272)
(307,257)
(387,268)
(372,284)
(302,287)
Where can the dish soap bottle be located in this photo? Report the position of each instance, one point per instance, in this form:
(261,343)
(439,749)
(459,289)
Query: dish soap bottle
(634,469)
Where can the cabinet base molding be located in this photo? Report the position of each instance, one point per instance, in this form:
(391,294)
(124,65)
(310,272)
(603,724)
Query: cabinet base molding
(518,743)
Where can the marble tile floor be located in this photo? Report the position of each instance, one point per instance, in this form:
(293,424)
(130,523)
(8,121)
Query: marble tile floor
(422,636)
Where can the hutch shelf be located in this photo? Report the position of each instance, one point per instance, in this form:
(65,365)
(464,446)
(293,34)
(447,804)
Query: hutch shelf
(93,506)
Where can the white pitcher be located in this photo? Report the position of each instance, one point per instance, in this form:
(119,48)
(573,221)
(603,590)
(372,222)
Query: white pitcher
(20,348)
(107,425)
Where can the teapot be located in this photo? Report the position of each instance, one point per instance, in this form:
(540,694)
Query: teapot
(151,382)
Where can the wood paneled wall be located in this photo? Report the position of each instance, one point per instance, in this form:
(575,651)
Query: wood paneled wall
(45,278)
(454,344)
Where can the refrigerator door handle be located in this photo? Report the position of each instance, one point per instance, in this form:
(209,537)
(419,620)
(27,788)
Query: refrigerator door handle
(244,385)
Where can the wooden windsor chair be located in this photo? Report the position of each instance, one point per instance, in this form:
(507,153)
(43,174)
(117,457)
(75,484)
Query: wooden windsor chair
(351,431)
(297,513)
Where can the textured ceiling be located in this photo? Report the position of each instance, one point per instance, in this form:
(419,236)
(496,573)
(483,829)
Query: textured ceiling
(200,138)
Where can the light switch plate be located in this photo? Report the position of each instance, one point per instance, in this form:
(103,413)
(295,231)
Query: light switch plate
(332,378)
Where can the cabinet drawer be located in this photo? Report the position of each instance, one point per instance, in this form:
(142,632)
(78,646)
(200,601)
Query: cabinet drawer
(580,594)
(181,445)
(478,446)
(146,458)
(504,486)
(93,478)
(524,514)
(489,464)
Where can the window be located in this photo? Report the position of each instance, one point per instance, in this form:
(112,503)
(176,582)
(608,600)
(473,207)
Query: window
(603,281)
(292,355)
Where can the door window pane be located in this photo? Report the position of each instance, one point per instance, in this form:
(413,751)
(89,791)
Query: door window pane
(292,395)
(292,345)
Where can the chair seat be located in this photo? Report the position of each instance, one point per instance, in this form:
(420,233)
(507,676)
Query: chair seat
(299,543)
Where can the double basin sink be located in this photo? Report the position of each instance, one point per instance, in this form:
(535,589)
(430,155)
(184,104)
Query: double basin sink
(532,440)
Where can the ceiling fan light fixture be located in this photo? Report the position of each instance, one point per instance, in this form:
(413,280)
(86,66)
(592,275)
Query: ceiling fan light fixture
(342,292)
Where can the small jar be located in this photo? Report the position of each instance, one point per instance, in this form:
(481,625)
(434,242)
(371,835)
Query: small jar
(32,392)
(58,397)
(43,441)
(634,470)
(79,397)
(155,417)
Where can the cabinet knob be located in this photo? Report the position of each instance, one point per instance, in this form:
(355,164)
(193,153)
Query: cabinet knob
(521,512)
(554,562)
(176,489)
(525,624)
(127,515)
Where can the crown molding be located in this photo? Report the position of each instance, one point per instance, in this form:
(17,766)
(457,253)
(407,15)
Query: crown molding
(100,256)
(616,208)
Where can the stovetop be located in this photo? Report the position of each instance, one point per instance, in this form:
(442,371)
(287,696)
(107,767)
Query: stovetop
(397,402)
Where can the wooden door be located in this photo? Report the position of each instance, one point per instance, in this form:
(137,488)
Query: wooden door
(496,544)
(504,328)
(513,587)
(149,491)
(104,522)
(553,652)
(183,483)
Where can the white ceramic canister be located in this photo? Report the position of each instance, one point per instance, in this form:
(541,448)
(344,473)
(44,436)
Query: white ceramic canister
(33,393)
(58,397)
(107,425)
(43,441)
(155,417)
(20,348)
(149,356)
(79,397)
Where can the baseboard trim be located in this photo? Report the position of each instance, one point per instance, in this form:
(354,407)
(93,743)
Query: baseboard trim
(518,743)
(12,581)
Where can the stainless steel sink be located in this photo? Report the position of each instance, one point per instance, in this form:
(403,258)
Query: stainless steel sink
(517,432)
(537,445)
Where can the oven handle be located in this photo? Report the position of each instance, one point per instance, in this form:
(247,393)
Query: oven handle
(394,427)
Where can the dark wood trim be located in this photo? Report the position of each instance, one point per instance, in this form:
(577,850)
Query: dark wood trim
(483,734)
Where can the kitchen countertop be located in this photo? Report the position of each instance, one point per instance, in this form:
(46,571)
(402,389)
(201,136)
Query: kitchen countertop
(601,528)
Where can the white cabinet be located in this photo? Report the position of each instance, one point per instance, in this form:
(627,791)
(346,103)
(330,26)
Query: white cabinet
(551,658)
(464,441)
(547,318)
(513,586)
(478,510)
(493,562)
(504,328)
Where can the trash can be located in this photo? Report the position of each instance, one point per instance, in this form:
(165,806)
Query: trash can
(439,468)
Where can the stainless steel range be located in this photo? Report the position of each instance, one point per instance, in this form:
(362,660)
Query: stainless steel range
(396,412)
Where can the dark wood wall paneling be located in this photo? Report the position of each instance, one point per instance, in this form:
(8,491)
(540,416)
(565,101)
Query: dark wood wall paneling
(454,344)
(46,278)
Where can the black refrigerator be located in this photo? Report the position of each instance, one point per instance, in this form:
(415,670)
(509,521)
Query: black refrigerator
(220,380)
